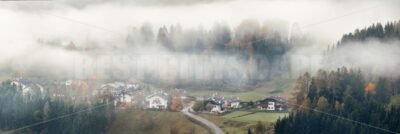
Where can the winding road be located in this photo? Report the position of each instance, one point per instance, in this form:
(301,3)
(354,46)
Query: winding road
(201,121)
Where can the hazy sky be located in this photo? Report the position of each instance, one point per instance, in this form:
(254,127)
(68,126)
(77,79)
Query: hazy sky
(331,18)
(23,22)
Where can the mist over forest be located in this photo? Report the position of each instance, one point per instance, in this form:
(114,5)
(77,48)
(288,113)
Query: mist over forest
(217,58)
(74,40)
(184,66)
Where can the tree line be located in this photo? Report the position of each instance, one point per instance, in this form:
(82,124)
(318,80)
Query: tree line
(389,31)
(261,48)
(51,115)
(347,95)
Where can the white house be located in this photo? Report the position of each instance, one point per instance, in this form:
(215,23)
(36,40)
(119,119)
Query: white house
(157,101)
(235,104)
(273,103)
(217,109)
(215,105)
(27,87)
(232,102)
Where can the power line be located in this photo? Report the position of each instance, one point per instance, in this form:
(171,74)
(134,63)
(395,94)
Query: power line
(87,24)
(82,23)
(24,0)
(56,118)
(325,21)
(120,34)
(346,119)
(338,17)
(341,117)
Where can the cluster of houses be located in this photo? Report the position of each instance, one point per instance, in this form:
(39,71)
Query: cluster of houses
(126,94)
(140,96)
(122,94)
(221,104)
(28,88)
(66,90)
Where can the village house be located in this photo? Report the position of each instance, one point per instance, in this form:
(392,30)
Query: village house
(117,87)
(220,104)
(231,102)
(214,106)
(125,94)
(28,87)
(157,100)
(217,108)
(21,85)
(272,103)
(124,100)
(114,88)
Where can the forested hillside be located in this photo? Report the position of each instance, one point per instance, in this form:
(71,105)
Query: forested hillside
(49,114)
(348,100)
(389,31)
(342,101)
(373,49)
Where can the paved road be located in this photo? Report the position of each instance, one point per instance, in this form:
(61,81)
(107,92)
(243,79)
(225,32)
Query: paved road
(203,122)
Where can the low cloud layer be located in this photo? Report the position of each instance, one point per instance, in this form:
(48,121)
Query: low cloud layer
(373,57)
(105,25)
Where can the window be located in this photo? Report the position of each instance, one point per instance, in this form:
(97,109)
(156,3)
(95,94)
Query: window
(271,103)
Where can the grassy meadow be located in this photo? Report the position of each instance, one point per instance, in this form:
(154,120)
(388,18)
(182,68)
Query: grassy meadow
(280,86)
(239,122)
(153,122)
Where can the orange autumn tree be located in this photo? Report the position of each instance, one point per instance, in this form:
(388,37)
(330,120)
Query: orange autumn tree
(369,88)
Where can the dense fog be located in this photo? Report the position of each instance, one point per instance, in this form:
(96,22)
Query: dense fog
(177,41)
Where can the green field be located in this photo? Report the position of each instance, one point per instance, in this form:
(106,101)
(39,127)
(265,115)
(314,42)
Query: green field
(152,122)
(239,122)
(244,96)
(280,86)
(236,114)
(228,126)
(254,117)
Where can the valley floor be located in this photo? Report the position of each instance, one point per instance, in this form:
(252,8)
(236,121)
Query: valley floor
(131,121)
(239,122)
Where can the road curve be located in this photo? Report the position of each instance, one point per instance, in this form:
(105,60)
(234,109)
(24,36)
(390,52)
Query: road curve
(203,122)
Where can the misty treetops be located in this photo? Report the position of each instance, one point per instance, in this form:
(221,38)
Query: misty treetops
(260,48)
(389,31)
